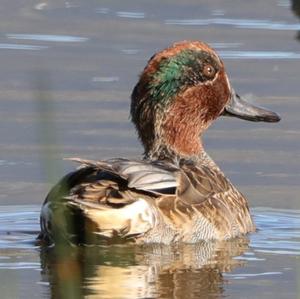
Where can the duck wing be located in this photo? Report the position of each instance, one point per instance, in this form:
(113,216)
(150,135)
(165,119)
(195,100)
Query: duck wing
(113,198)
(205,195)
(198,183)
(156,176)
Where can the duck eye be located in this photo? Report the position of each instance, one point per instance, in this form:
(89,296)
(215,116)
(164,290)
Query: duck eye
(209,71)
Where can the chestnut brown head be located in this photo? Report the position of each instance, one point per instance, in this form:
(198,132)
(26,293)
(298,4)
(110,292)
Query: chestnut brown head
(180,92)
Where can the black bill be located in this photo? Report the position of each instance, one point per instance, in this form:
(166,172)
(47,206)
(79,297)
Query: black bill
(238,107)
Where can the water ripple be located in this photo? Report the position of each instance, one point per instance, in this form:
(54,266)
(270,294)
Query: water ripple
(20,265)
(130,14)
(47,37)
(22,47)
(226,45)
(106,79)
(103,10)
(279,231)
(13,163)
(249,275)
(19,226)
(130,51)
(236,23)
(259,55)
(283,3)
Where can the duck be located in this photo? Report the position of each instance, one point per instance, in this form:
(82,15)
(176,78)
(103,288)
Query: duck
(175,193)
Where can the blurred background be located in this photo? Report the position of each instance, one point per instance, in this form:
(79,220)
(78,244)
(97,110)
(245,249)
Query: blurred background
(67,69)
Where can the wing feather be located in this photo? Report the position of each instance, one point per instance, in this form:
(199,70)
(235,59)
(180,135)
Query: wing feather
(139,175)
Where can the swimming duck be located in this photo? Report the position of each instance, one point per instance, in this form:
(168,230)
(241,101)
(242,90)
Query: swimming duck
(176,193)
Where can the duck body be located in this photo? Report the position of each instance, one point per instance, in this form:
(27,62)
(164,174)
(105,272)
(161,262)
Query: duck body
(176,193)
(148,202)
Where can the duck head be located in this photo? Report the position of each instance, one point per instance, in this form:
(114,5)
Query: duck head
(181,91)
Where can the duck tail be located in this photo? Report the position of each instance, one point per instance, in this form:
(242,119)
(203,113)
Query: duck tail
(103,221)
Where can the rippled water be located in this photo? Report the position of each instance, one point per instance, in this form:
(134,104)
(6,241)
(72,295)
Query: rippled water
(238,23)
(67,71)
(190,271)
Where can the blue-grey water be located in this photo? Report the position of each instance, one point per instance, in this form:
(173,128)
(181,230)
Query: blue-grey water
(261,266)
(67,71)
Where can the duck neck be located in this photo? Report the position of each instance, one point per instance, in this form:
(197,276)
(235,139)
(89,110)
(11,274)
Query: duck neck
(162,151)
(175,142)
(178,140)
(177,132)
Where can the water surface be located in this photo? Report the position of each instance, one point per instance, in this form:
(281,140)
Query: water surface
(67,71)
(205,270)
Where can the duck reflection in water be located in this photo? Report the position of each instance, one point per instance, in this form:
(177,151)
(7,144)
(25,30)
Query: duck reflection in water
(150,271)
